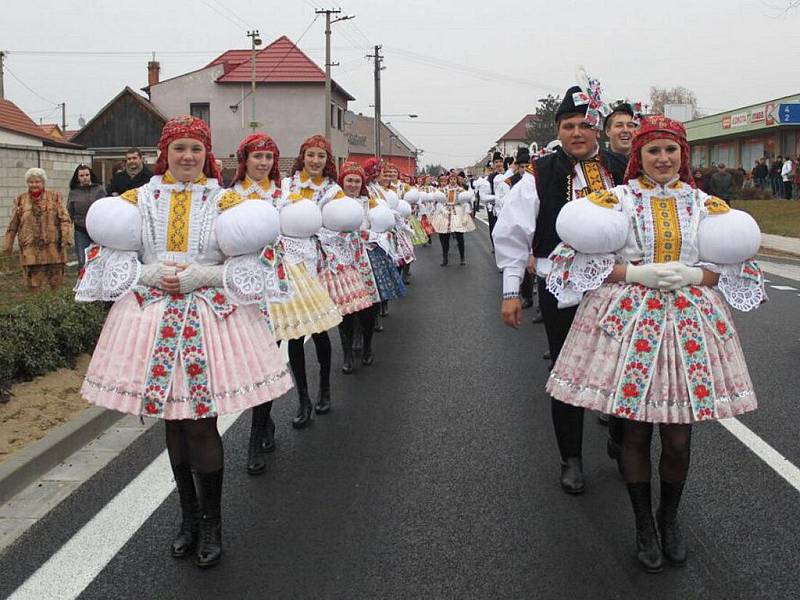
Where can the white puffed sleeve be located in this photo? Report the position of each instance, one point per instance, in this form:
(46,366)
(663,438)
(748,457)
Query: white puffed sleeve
(300,219)
(244,232)
(727,241)
(513,233)
(593,230)
(112,263)
(343,214)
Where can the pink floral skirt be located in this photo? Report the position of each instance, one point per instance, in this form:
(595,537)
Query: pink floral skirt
(592,363)
(245,367)
(347,289)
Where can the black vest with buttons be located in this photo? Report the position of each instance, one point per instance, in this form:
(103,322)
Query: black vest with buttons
(553,173)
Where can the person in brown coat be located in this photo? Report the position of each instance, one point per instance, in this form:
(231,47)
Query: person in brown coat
(41,224)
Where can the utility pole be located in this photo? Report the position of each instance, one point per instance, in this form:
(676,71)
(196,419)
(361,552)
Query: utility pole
(63,117)
(328,64)
(378,68)
(255,41)
(2,92)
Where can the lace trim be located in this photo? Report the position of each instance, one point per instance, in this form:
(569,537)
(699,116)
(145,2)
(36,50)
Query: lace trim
(301,250)
(571,276)
(109,276)
(247,280)
(608,395)
(742,292)
(240,391)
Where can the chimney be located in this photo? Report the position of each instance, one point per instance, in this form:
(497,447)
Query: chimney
(153,69)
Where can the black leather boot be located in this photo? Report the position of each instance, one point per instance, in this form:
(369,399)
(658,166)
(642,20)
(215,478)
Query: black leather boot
(572,475)
(269,430)
(209,542)
(304,410)
(672,542)
(647,549)
(256,463)
(346,335)
(324,397)
(186,537)
(367,357)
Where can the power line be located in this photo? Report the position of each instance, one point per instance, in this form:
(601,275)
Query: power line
(222,14)
(107,52)
(233,13)
(27,87)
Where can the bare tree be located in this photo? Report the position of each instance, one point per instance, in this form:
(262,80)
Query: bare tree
(677,95)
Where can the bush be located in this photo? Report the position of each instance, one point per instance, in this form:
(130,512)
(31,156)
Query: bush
(46,332)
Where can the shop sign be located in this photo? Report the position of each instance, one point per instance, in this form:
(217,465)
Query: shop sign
(739,119)
(789,113)
(726,122)
(758,115)
(771,116)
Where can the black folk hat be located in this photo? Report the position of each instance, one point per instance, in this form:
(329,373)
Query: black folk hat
(497,156)
(568,106)
(622,107)
(523,156)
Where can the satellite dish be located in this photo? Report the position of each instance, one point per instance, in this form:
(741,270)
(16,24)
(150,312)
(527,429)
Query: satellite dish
(81,121)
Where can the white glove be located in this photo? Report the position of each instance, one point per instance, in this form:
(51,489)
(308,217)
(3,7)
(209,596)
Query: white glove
(151,274)
(656,275)
(197,276)
(681,275)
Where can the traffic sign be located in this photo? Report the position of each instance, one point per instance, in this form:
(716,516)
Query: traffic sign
(789,113)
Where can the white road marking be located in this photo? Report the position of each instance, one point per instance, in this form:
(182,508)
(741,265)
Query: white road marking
(69,571)
(774,459)
(784,288)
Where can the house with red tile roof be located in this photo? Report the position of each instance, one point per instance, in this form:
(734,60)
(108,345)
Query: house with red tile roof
(516,136)
(289,99)
(395,148)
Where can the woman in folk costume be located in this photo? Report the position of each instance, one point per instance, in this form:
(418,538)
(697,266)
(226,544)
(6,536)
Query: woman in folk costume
(653,341)
(426,206)
(352,180)
(311,185)
(257,178)
(413,198)
(453,217)
(184,341)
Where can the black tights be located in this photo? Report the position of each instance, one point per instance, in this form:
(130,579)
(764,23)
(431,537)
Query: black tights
(444,240)
(297,359)
(366,318)
(676,443)
(196,442)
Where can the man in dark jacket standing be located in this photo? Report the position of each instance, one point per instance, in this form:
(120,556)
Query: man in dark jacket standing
(134,175)
(721,183)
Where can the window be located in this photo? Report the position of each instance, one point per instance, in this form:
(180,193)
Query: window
(339,119)
(201,110)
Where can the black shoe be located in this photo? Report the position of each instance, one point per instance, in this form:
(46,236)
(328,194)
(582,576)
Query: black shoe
(378,325)
(444,262)
(384,308)
(323,405)
(209,536)
(304,410)
(648,551)
(672,542)
(546,355)
(367,358)
(347,362)
(186,537)
(537,317)
(572,476)
(256,464)
(462,263)
(527,303)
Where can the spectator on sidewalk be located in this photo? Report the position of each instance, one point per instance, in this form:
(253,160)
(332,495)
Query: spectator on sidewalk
(796,179)
(84,189)
(700,181)
(721,183)
(135,174)
(775,177)
(787,175)
(41,224)
(760,173)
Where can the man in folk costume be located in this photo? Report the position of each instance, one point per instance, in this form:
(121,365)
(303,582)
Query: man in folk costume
(497,166)
(527,225)
(619,127)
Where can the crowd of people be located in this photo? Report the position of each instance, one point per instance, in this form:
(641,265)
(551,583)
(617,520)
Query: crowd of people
(779,176)
(208,281)
(635,268)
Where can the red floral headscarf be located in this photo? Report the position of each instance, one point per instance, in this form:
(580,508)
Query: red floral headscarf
(372,167)
(353,168)
(316,141)
(186,127)
(655,128)
(256,142)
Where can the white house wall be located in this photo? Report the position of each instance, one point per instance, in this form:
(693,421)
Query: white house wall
(290,112)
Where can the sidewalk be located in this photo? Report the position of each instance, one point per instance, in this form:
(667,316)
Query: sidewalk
(787,245)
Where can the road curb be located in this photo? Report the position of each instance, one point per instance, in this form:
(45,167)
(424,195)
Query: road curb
(33,461)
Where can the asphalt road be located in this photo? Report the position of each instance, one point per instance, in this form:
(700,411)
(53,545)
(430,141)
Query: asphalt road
(436,476)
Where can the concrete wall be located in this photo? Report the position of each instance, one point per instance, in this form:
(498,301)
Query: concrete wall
(9,137)
(289,112)
(58,163)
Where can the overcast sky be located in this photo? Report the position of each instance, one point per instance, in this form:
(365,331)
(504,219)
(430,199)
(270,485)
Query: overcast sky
(468,70)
